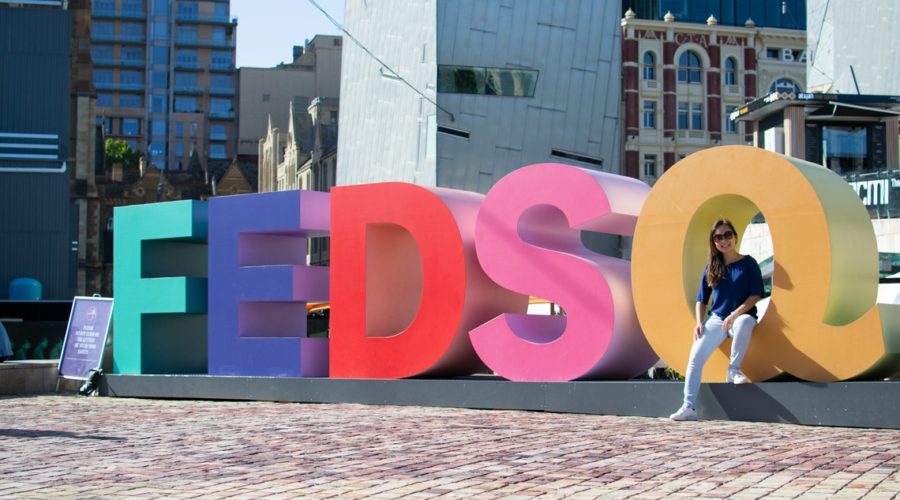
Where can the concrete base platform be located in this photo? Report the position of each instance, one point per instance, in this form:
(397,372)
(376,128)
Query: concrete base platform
(845,404)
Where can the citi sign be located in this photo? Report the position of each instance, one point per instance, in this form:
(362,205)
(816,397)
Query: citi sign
(431,282)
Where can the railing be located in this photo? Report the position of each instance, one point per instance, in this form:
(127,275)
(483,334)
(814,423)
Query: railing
(189,66)
(221,67)
(196,18)
(118,37)
(207,42)
(222,115)
(125,87)
(184,89)
(117,63)
(221,91)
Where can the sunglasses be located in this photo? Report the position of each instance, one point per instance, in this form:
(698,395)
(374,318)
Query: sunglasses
(727,235)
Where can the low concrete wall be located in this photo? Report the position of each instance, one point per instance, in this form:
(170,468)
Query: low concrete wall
(32,376)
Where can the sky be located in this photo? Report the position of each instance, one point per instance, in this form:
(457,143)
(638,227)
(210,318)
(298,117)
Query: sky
(268,29)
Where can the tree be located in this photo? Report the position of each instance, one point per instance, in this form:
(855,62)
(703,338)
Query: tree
(118,151)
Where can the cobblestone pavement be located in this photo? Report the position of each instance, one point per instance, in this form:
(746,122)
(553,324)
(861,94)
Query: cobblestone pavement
(62,446)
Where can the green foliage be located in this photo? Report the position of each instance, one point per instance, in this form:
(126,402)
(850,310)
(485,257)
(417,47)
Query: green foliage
(118,151)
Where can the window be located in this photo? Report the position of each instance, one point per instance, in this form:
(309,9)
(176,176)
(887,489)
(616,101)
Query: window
(185,80)
(157,148)
(133,54)
(187,10)
(265,98)
(649,114)
(131,77)
(650,166)
(100,53)
(221,12)
(130,101)
(104,6)
(159,79)
(730,126)
(186,56)
(103,76)
(221,81)
(158,103)
(132,30)
(131,126)
(187,33)
(220,105)
(773,53)
(160,30)
(160,6)
(179,149)
(649,66)
(784,85)
(160,55)
(132,6)
(103,28)
(689,68)
(334,117)
(487,81)
(158,128)
(185,104)
(193,129)
(697,116)
(106,123)
(730,71)
(218,34)
(217,132)
(104,100)
(179,129)
(217,151)
(221,59)
(845,148)
(690,116)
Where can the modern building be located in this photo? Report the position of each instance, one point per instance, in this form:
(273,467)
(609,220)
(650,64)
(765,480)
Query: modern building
(267,92)
(164,75)
(683,77)
(852,47)
(458,93)
(38,223)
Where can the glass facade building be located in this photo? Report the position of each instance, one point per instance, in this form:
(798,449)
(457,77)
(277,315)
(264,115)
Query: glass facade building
(165,77)
(788,14)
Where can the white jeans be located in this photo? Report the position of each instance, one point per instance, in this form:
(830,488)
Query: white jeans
(713,336)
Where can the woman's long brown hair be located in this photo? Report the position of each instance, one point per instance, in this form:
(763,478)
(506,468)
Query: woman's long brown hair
(715,268)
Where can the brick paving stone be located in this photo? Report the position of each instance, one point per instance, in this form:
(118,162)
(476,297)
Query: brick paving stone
(63,446)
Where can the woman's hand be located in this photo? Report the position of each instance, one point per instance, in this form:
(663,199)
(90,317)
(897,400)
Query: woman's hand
(698,331)
(728,322)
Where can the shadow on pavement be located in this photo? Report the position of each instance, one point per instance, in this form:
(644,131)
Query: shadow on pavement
(30,433)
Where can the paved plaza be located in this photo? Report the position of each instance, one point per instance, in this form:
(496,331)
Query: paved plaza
(65,446)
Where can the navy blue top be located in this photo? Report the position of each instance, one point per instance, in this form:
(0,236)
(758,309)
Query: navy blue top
(742,280)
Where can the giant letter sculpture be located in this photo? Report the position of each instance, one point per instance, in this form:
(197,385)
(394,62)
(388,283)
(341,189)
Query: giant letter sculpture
(160,284)
(405,284)
(259,284)
(528,239)
(822,323)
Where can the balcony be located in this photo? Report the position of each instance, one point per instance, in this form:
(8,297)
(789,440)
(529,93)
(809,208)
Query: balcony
(189,66)
(121,87)
(221,91)
(184,18)
(197,42)
(221,68)
(221,115)
(119,38)
(113,14)
(184,89)
(117,63)
(103,13)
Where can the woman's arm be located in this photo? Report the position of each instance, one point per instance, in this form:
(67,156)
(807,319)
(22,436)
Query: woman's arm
(741,309)
(700,312)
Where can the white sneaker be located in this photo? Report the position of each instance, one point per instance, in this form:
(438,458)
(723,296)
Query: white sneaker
(684,413)
(736,377)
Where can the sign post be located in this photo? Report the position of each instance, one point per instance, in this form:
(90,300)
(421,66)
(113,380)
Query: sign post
(85,337)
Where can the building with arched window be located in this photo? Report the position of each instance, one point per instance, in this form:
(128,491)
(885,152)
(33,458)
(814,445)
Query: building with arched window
(682,80)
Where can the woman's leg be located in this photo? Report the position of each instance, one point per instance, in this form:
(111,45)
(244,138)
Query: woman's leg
(713,336)
(741,330)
